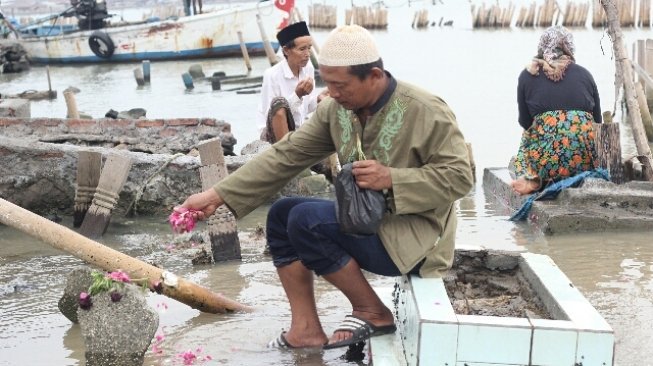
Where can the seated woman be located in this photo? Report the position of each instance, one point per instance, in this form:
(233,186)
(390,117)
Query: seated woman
(287,94)
(558,101)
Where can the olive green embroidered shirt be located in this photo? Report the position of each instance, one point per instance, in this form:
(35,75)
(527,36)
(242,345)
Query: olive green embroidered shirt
(415,134)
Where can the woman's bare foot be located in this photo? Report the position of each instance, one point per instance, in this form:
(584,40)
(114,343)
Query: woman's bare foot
(525,186)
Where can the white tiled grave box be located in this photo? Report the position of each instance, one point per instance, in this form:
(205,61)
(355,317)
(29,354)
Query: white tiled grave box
(433,334)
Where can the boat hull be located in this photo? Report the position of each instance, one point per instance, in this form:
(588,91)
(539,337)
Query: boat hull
(207,35)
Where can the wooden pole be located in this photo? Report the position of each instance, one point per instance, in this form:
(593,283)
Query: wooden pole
(647,122)
(146,71)
(112,179)
(223,230)
(51,94)
(71,105)
(624,78)
(109,259)
(648,67)
(89,166)
(243,49)
(266,43)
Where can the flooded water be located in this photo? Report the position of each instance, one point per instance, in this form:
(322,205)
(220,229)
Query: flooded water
(474,71)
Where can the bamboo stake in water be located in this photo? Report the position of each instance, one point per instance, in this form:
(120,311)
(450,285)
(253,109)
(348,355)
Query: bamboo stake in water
(266,43)
(243,49)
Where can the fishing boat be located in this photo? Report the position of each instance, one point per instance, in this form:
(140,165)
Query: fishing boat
(208,35)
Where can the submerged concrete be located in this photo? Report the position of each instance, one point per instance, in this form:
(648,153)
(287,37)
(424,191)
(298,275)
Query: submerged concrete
(596,206)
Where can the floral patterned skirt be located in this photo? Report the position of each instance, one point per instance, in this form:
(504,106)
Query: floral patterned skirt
(559,144)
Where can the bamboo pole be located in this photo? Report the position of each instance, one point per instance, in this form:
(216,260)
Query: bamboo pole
(243,49)
(109,259)
(266,42)
(624,78)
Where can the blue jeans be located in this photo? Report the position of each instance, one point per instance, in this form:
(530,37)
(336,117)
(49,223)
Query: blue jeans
(306,229)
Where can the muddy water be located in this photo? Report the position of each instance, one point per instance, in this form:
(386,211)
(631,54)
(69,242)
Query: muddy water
(474,71)
(614,271)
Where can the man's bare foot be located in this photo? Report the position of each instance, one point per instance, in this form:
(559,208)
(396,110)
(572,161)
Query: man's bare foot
(525,186)
(376,319)
(305,340)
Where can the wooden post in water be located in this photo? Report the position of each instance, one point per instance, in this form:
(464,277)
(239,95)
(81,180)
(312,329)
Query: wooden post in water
(648,66)
(624,77)
(243,49)
(146,71)
(223,231)
(71,105)
(109,259)
(89,166)
(266,43)
(138,75)
(51,94)
(112,179)
(647,122)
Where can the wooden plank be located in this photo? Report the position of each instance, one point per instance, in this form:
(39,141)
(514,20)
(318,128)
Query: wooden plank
(223,230)
(89,166)
(112,179)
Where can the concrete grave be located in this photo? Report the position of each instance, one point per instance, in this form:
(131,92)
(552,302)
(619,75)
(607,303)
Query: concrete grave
(432,333)
(597,205)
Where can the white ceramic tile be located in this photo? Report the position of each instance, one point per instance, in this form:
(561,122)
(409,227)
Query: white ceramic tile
(499,340)
(432,300)
(439,343)
(595,348)
(554,342)
(386,350)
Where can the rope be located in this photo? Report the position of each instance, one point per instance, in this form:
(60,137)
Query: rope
(140,191)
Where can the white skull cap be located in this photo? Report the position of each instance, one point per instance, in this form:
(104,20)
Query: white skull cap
(348,45)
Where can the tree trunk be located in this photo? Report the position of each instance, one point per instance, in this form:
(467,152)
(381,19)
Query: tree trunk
(624,76)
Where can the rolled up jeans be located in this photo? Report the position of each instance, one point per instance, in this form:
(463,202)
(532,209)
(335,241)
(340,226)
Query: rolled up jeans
(306,229)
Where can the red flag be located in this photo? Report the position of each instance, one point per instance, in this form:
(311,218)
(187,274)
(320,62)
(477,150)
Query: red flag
(287,6)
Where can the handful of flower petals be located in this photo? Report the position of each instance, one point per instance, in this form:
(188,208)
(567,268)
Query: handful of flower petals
(183,220)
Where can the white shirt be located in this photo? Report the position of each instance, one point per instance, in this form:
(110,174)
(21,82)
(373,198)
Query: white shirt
(279,81)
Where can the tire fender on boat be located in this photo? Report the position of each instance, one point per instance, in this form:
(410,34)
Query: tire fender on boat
(101,44)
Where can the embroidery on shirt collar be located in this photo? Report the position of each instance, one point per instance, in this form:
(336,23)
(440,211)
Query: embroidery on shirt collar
(391,125)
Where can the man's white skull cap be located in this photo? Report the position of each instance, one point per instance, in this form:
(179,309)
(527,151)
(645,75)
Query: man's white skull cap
(348,45)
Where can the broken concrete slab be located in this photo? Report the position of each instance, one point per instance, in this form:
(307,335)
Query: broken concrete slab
(118,332)
(15,108)
(157,136)
(596,206)
(40,177)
